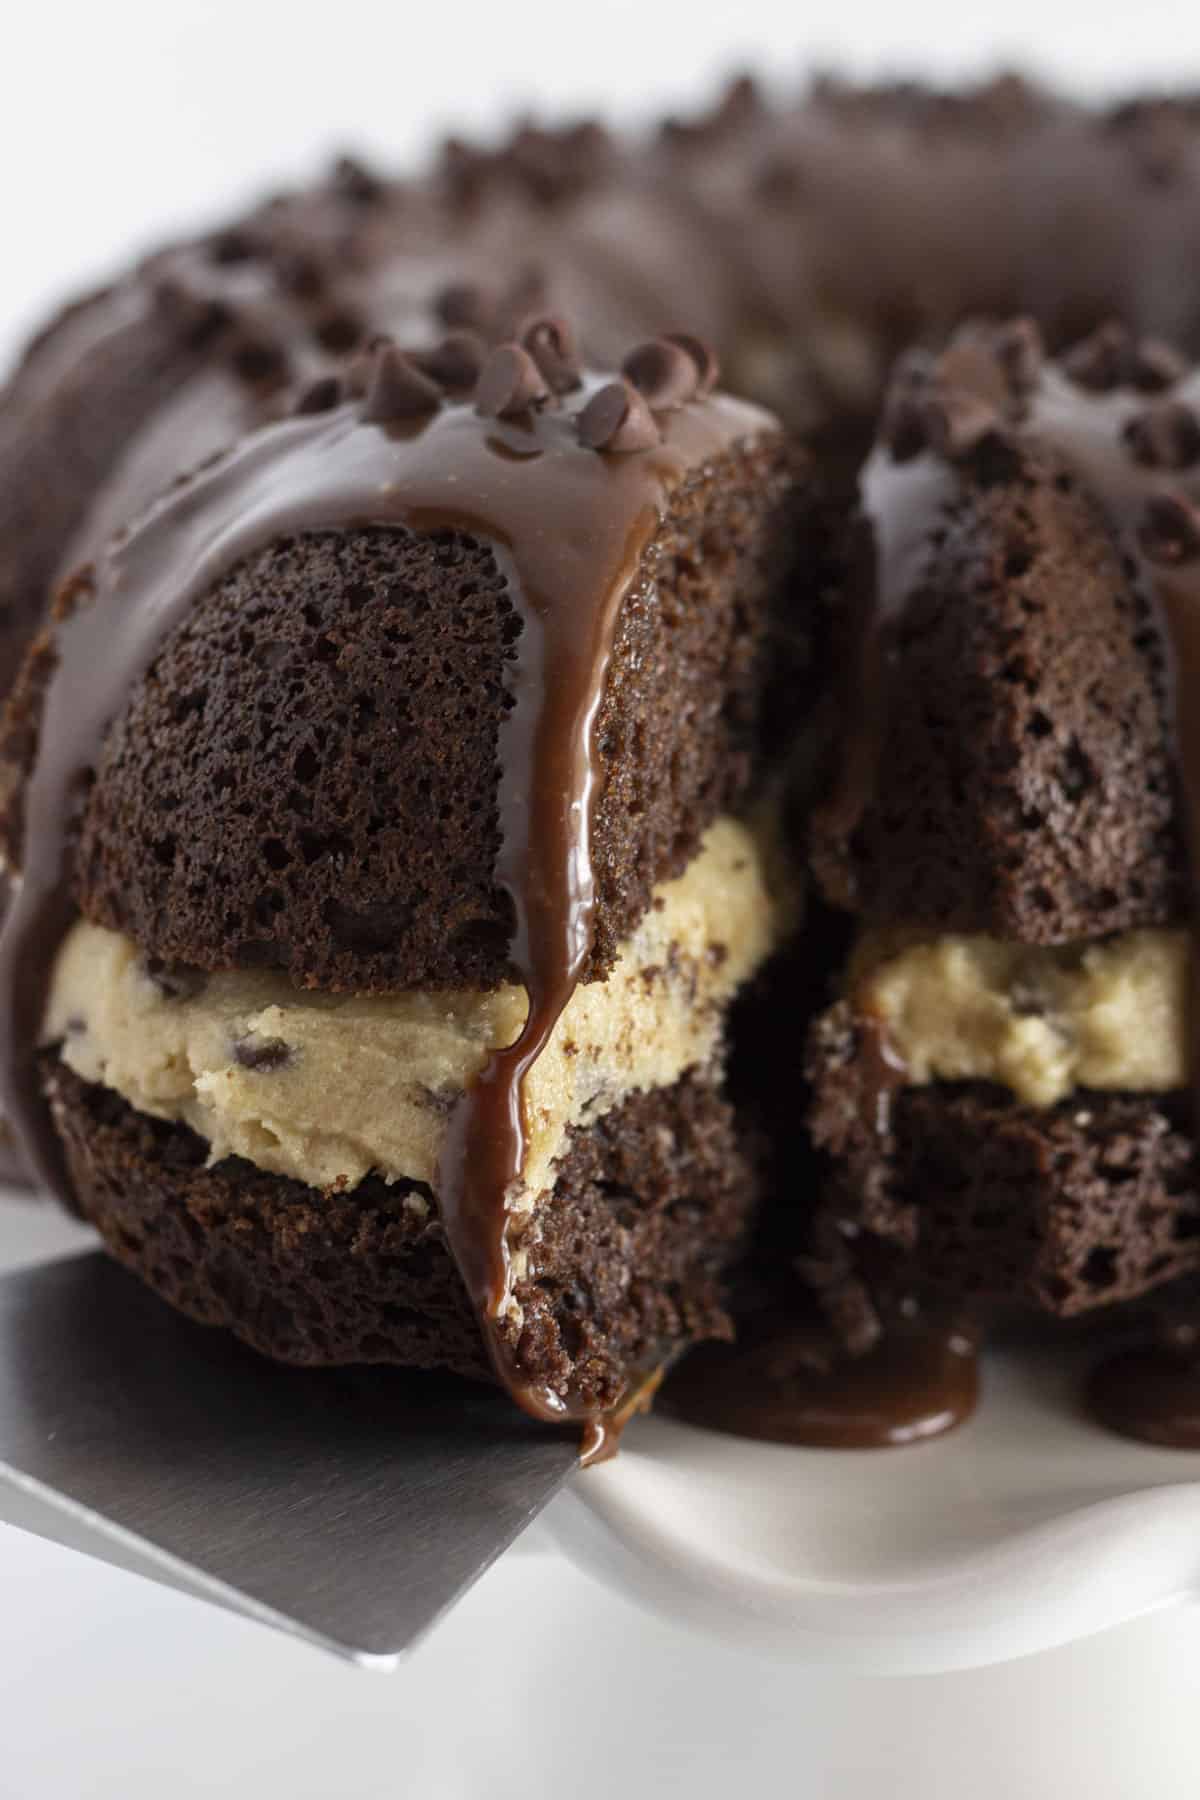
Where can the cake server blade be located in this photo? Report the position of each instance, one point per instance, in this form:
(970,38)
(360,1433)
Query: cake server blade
(351,1507)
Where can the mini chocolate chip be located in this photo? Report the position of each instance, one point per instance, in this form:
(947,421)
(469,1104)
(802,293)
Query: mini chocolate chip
(616,418)
(781,181)
(708,369)
(1156,365)
(463,306)
(397,390)
(174,980)
(741,100)
(551,343)
(440,1100)
(320,396)
(455,363)
(231,247)
(1166,436)
(356,182)
(339,332)
(256,359)
(1027,999)
(664,373)
(1020,351)
(199,318)
(509,384)
(1170,530)
(680,134)
(957,421)
(1103,360)
(300,274)
(359,371)
(75,1026)
(261,1054)
(465,170)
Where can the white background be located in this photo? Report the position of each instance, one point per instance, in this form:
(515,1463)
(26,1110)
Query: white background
(124,122)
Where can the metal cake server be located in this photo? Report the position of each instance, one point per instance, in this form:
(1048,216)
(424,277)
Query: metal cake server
(350,1507)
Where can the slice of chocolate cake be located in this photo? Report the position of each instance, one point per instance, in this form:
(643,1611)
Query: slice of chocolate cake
(1003,1087)
(380,815)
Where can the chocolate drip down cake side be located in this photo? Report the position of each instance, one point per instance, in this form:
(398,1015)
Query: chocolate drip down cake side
(381,991)
(461,746)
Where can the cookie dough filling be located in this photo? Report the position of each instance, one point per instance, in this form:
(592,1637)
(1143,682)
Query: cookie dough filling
(328,1088)
(1040,1021)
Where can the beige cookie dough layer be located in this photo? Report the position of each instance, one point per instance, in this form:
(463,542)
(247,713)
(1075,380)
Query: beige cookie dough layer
(1040,1021)
(328,1087)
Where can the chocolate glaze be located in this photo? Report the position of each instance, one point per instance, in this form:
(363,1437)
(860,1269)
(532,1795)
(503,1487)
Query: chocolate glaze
(810,240)
(1150,1392)
(570,527)
(786,1383)
(890,543)
(951,419)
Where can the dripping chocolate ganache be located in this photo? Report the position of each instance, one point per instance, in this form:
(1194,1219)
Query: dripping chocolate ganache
(553,587)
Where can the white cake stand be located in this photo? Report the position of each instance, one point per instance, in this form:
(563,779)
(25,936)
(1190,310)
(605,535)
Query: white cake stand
(1026,1528)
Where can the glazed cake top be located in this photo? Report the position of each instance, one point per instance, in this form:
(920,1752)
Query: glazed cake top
(1024,554)
(567,480)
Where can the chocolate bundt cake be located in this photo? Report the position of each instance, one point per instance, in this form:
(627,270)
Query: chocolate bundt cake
(810,242)
(1003,1087)
(395,799)
(379,800)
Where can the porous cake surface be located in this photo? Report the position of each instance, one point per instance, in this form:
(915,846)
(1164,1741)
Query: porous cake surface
(1015,776)
(266,792)
(1083,1204)
(649,1206)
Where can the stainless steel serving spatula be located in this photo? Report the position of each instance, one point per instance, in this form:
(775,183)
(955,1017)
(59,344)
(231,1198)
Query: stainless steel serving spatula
(349,1506)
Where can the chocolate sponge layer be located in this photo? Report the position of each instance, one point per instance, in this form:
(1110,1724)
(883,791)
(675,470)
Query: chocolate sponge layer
(308,775)
(1083,1204)
(1023,783)
(649,1206)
